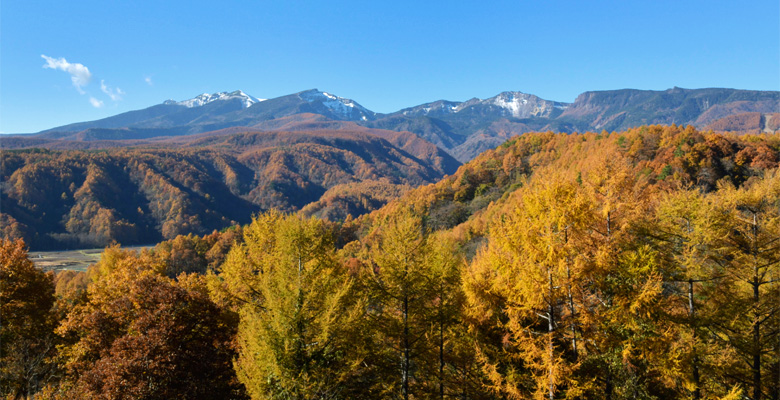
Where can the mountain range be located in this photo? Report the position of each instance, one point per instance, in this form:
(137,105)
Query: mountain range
(214,160)
(463,129)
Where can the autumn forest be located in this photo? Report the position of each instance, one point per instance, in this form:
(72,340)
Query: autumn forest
(642,264)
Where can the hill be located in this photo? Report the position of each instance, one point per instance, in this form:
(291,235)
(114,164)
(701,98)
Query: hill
(158,189)
(658,157)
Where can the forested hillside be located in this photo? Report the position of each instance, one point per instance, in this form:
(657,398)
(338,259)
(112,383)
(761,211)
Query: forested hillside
(634,265)
(664,157)
(747,123)
(72,198)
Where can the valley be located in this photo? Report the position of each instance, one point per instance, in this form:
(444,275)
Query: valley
(72,260)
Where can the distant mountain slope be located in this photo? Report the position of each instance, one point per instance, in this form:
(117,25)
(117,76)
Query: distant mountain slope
(463,129)
(466,129)
(506,104)
(747,123)
(198,183)
(622,109)
(170,114)
(409,142)
(217,111)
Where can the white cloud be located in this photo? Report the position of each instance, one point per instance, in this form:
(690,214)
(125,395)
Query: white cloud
(79,74)
(114,94)
(95,102)
(148,80)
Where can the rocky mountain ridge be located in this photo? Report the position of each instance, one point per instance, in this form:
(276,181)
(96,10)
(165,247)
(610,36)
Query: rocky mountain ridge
(463,129)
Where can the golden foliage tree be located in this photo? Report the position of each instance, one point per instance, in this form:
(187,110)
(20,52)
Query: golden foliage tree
(540,276)
(748,304)
(411,281)
(27,320)
(296,308)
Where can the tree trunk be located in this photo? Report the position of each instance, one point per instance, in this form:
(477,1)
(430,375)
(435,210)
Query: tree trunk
(550,350)
(405,363)
(695,358)
(573,319)
(756,346)
(776,391)
(573,311)
(441,348)
(550,328)
(405,346)
(757,317)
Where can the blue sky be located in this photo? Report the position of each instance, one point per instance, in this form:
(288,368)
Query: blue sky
(386,55)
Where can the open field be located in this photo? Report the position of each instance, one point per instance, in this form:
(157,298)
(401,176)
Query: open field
(74,260)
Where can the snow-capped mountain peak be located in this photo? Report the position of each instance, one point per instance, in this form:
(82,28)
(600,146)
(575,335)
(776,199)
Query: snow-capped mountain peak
(507,104)
(513,102)
(440,107)
(523,105)
(206,98)
(341,106)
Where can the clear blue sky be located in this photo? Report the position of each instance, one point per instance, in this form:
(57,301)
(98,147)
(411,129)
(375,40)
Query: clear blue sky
(385,55)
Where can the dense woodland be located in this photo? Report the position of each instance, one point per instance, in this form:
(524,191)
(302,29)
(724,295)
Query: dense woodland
(636,265)
(56,199)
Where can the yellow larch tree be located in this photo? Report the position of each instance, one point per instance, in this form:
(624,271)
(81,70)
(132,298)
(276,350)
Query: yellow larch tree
(296,309)
(749,293)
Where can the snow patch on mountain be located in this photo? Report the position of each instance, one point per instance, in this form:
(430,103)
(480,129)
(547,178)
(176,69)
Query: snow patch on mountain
(338,105)
(441,106)
(206,98)
(523,105)
(514,102)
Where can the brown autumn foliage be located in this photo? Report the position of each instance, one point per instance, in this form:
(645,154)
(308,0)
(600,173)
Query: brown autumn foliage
(353,199)
(73,198)
(192,253)
(70,285)
(141,335)
(753,123)
(27,319)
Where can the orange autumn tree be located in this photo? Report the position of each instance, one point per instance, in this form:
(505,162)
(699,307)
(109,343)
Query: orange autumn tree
(539,275)
(615,274)
(141,335)
(27,320)
(748,298)
(685,230)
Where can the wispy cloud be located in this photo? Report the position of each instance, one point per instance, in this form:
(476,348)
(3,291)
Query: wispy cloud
(95,102)
(148,81)
(114,93)
(79,74)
